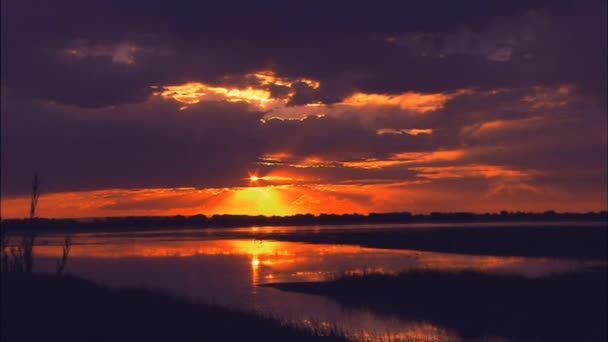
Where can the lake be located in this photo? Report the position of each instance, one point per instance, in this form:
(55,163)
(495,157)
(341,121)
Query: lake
(224,266)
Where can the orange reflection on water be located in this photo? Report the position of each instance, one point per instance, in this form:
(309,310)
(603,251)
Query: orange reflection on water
(276,261)
(185,248)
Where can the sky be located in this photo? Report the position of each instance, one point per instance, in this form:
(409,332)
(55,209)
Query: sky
(285,107)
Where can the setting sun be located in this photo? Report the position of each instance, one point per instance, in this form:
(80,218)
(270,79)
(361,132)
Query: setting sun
(304,171)
(255,262)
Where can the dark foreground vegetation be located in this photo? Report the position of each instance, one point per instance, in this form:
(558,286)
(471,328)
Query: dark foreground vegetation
(569,307)
(46,308)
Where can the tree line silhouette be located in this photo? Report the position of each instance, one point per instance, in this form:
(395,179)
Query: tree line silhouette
(202,221)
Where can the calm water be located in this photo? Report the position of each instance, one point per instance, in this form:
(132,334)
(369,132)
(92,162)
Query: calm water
(217,266)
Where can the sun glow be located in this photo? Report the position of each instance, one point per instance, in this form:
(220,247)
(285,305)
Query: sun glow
(262,200)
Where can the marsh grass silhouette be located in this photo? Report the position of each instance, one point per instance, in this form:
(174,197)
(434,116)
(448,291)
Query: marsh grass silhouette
(35,195)
(67,245)
(568,307)
(17,257)
(20,256)
(41,307)
(4,251)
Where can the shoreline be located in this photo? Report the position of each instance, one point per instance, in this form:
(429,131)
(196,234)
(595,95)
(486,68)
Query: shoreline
(565,307)
(67,308)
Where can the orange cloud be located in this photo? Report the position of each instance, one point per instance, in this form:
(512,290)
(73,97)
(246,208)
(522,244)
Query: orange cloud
(486,171)
(403,158)
(123,53)
(491,128)
(194,92)
(278,157)
(259,96)
(418,102)
(268,77)
(550,97)
(410,131)
(407,158)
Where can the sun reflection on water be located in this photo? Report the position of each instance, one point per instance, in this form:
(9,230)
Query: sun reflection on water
(276,261)
(265,261)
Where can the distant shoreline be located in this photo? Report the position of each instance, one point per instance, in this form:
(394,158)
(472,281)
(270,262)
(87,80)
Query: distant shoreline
(230,221)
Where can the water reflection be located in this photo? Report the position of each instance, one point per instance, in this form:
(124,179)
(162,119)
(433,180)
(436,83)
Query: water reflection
(226,272)
(278,261)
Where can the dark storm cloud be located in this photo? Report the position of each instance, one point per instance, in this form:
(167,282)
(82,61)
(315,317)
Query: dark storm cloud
(154,144)
(557,134)
(337,139)
(346,46)
(559,105)
(127,147)
(77,104)
(215,144)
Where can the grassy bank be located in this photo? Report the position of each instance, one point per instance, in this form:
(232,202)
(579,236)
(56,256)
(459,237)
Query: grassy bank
(568,307)
(45,308)
(584,242)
